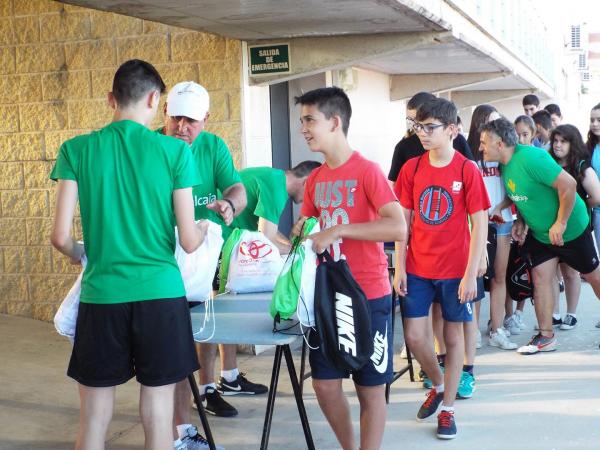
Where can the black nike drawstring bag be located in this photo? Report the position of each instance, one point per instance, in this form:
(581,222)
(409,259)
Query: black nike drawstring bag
(342,316)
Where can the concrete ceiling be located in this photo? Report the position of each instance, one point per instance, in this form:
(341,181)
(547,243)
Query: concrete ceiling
(269,19)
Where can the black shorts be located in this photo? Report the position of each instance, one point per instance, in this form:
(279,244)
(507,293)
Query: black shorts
(151,339)
(579,253)
(216,284)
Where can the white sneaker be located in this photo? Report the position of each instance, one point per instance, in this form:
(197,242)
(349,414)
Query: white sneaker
(178,445)
(478,342)
(500,339)
(518,315)
(194,440)
(512,326)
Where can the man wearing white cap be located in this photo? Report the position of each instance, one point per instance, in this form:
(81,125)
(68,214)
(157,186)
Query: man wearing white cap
(186,113)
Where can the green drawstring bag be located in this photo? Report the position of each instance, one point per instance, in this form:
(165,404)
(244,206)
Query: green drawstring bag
(296,281)
(230,244)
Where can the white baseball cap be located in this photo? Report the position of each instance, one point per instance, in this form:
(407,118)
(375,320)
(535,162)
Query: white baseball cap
(188,99)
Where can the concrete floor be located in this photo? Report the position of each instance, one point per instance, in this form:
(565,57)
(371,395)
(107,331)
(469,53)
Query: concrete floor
(544,401)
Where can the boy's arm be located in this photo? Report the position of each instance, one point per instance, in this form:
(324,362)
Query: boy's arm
(400,250)
(190,234)
(391,226)
(467,290)
(66,201)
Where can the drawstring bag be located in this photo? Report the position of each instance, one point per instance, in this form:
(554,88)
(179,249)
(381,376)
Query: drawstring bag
(65,318)
(198,268)
(343,319)
(294,290)
(250,263)
(519,283)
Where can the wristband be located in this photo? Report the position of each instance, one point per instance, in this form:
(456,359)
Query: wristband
(230,204)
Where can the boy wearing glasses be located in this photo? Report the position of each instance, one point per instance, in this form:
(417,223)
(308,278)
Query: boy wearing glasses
(437,191)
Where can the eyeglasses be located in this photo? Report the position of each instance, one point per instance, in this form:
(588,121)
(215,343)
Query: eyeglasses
(426,128)
(410,123)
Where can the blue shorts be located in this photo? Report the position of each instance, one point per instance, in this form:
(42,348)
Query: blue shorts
(502,229)
(379,369)
(423,291)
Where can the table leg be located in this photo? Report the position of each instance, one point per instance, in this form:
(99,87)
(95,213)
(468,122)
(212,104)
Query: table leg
(264,443)
(201,412)
(298,395)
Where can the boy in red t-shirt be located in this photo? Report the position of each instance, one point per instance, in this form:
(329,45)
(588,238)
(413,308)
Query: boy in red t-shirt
(358,212)
(443,258)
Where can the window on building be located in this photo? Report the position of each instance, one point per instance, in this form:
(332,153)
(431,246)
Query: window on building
(582,65)
(575,36)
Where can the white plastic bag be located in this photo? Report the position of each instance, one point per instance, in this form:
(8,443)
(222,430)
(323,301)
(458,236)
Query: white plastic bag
(254,262)
(306,300)
(198,268)
(65,318)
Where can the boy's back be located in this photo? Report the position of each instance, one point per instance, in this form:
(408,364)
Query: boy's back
(126,175)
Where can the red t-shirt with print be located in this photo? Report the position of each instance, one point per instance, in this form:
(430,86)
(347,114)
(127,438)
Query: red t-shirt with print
(441,198)
(352,193)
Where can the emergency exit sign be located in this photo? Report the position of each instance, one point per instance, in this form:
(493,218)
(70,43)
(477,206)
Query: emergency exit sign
(269,59)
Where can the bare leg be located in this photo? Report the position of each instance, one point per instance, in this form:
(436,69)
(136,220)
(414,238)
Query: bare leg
(373,413)
(95,413)
(228,354)
(470,330)
(498,284)
(545,287)
(437,325)
(206,357)
(455,347)
(572,287)
(334,405)
(421,345)
(183,405)
(156,411)
(594,279)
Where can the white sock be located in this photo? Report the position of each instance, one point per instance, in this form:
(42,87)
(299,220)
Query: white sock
(447,408)
(439,389)
(555,316)
(230,375)
(182,429)
(203,387)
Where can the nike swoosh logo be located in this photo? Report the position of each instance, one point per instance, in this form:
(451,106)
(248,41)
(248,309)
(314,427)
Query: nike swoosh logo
(382,366)
(236,388)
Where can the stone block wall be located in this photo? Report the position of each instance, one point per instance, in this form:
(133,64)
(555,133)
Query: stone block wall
(56,67)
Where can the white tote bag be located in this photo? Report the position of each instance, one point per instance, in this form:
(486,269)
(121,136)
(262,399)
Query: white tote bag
(65,318)
(254,264)
(198,268)
(306,300)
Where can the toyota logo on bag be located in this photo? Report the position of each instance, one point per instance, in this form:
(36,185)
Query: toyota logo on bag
(255,249)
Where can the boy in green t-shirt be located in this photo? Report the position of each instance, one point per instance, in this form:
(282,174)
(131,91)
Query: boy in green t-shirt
(133,187)
(552,221)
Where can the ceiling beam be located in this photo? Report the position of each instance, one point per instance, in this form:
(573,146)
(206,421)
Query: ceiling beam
(463,99)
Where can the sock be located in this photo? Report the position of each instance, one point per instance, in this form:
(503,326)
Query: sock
(439,389)
(202,388)
(441,360)
(447,408)
(555,316)
(230,375)
(182,430)
(468,369)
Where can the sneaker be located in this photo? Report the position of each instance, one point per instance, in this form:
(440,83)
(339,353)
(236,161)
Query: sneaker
(500,339)
(427,383)
(512,326)
(598,324)
(466,386)
(556,322)
(518,316)
(194,440)
(430,405)
(241,385)
(568,322)
(216,405)
(478,342)
(537,344)
(446,425)
(178,445)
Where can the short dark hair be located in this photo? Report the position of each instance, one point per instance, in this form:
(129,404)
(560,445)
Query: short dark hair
(133,80)
(553,108)
(331,101)
(502,128)
(438,108)
(304,168)
(418,99)
(531,99)
(543,119)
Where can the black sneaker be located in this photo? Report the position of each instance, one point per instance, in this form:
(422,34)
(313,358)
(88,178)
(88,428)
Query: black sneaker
(556,322)
(569,322)
(216,406)
(446,425)
(241,385)
(430,405)
(195,441)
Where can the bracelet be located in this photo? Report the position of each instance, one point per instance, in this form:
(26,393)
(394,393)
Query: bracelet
(230,204)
